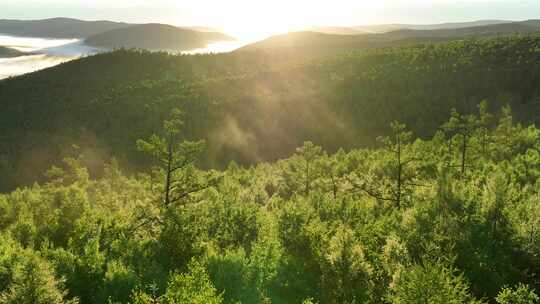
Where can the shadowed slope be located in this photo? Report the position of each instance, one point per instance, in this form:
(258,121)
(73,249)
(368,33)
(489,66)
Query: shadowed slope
(155,37)
(6,52)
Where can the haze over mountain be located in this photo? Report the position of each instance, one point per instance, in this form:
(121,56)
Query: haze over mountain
(317,43)
(106,35)
(155,37)
(74,28)
(383,28)
(535,23)
(60,28)
(335,30)
(39,44)
(109,35)
(477,31)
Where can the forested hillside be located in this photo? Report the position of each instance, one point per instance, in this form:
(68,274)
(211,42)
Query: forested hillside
(320,43)
(110,35)
(384,28)
(155,37)
(450,219)
(253,105)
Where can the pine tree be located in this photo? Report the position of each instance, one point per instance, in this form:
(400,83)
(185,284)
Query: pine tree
(177,160)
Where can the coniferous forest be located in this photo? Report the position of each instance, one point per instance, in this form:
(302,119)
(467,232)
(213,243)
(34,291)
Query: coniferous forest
(252,106)
(389,175)
(450,219)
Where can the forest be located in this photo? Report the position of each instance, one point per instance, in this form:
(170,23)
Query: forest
(253,106)
(399,174)
(449,219)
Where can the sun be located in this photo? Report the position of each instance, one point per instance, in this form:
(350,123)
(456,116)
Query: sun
(250,20)
(255,20)
(258,27)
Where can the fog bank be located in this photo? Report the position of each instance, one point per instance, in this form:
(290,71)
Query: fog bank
(40,53)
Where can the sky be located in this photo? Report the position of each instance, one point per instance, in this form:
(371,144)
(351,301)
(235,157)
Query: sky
(251,18)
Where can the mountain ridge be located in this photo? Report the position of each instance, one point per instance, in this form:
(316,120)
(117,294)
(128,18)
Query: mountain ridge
(383,28)
(71,28)
(315,43)
(155,36)
(59,28)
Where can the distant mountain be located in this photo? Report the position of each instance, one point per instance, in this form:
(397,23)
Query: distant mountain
(57,28)
(6,52)
(533,23)
(384,28)
(305,39)
(155,37)
(317,44)
(201,28)
(489,30)
(68,28)
(336,30)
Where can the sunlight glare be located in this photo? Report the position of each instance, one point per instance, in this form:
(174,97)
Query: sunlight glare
(256,20)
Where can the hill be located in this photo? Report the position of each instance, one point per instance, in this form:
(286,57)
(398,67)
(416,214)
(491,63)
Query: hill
(336,30)
(253,106)
(314,44)
(6,52)
(155,37)
(57,27)
(534,23)
(308,39)
(477,31)
(383,28)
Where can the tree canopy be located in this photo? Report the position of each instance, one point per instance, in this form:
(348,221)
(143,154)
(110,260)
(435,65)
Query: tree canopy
(304,229)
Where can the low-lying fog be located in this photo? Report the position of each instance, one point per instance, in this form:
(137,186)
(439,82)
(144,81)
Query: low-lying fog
(41,53)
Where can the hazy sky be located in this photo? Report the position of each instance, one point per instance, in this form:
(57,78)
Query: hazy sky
(258,17)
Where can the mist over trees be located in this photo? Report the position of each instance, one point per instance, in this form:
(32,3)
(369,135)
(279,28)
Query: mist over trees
(391,175)
(255,106)
(403,223)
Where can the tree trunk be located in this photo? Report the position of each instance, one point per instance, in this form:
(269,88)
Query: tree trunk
(463,155)
(399,182)
(169,173)
(307,179)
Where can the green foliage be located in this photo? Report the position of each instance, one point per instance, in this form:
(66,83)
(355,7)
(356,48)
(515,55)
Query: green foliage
(175,159)
(432,282)
(313,228)
(346,270)
(252,106)
(193,287)
(28,278)
(521,294)
(303,169)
